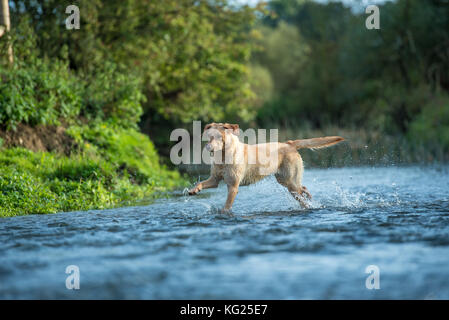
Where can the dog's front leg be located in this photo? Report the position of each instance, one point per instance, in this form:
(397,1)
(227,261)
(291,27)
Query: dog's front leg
(232,192)
(212,182)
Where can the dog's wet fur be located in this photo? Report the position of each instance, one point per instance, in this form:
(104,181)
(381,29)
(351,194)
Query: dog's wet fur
(243,164)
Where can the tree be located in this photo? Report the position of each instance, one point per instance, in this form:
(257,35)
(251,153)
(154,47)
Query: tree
(5,27)
(355,77)
(192,55)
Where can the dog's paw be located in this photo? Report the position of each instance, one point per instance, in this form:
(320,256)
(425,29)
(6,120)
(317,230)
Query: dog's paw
(194,191)
(305,192)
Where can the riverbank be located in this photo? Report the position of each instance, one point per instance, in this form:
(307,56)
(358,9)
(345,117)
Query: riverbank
(48,169)
(104,167)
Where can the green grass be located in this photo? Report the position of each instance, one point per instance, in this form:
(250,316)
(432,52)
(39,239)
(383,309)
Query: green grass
(112,167)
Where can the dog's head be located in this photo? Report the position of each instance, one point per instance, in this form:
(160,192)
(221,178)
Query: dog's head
(216,133)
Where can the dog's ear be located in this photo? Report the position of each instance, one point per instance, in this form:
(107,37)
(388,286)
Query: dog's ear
(234,128)
(208,126)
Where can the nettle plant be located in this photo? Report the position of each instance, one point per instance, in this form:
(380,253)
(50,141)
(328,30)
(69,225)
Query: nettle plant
(39,93)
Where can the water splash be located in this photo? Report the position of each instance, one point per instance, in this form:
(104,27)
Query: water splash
(177,250)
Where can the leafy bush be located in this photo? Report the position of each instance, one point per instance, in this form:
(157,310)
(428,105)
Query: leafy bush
(114,163)
(192,58)
(77,169)
(40,93)
(46,92)
(43,182)
(431,127)
(24,192)
(112,93)
(39,90)
(131,152)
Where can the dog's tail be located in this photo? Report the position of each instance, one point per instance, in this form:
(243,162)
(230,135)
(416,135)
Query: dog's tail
(315,143)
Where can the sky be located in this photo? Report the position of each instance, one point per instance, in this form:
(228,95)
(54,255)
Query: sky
(356,3)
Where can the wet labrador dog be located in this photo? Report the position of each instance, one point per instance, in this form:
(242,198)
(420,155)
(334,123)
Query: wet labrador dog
(239,164)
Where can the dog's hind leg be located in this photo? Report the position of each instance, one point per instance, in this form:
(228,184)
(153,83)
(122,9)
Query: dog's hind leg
(300,195)
(290,176)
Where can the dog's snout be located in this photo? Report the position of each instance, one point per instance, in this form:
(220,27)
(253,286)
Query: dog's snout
(208,147)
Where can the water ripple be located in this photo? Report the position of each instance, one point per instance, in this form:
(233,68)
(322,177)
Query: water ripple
(267,248)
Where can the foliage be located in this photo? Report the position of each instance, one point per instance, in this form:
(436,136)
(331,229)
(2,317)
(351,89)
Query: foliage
(431,127)
(161,64)
(284,54)
(351,77)
(101,176)
(113,164)
(131,152)
(261,84)
(191,55)
(40,90)
(24,95)
(35,90)
(113,95)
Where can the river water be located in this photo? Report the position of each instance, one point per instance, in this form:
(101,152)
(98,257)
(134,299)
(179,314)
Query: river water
(393,218)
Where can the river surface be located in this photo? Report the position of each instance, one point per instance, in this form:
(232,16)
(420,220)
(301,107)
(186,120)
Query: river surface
(393,218)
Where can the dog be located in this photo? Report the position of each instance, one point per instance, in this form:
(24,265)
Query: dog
(239,164)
